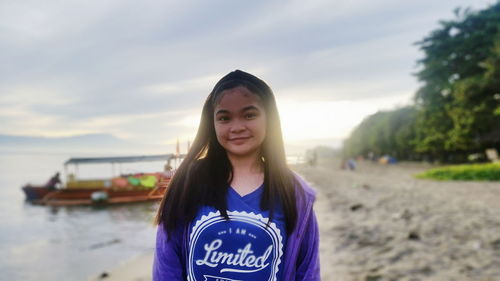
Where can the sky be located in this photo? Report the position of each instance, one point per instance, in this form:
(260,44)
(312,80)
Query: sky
(141,70)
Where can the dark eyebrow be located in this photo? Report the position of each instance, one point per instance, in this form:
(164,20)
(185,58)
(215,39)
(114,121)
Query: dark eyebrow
(250,107)
(246,108)
(222,111)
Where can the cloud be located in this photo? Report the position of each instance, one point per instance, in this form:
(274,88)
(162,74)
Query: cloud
(137,69)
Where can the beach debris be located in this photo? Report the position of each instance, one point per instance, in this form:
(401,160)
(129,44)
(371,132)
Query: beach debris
(426,270)
(400,255)
(373,277)
(376,268)
(406,215)
(413,235)
(476,245)
(104,275)
(496,244)
(356,207)
(103,244)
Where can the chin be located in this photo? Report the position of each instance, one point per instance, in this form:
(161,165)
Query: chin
(241,152)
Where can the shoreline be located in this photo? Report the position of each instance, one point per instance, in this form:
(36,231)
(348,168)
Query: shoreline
(138,268)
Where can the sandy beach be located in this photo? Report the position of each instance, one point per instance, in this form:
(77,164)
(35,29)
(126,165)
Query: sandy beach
(379,223)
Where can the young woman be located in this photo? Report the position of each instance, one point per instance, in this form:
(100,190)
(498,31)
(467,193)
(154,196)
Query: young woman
(234,210)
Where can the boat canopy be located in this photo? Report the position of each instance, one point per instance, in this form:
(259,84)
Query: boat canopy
(121,159)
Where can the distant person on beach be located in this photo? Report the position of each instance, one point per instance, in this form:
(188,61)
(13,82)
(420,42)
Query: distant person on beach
(168,170)
(234,210)
(167,167)
(348,164)
(351,164)
(313,158)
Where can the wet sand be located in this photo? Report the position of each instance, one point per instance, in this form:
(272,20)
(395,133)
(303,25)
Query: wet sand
(378,223)
(136,269)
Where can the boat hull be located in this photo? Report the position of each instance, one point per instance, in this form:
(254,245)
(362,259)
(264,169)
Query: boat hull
(35,192)
(67,197)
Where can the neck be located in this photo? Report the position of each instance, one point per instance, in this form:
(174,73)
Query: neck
(251,164)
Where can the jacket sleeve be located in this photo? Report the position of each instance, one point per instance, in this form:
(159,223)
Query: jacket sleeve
(167,262)
(308,258)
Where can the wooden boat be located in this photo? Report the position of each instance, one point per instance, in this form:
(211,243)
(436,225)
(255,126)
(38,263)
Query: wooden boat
(130,188)
(35,192)
(68,197)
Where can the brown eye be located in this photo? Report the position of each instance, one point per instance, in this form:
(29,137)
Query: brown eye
(223,118)
(250,115)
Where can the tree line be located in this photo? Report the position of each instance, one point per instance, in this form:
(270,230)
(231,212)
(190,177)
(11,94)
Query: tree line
(456,111)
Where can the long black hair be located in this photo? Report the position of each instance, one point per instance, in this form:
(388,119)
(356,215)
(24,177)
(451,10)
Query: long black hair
(204,175)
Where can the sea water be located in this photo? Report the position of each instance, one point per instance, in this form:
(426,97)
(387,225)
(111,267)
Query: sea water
(66,243)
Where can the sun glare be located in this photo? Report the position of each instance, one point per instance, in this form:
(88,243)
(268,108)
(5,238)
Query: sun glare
(326,119)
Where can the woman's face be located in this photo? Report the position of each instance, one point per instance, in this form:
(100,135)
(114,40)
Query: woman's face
(240,122)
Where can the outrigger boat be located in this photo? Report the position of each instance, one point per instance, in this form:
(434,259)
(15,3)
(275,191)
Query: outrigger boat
(128,188)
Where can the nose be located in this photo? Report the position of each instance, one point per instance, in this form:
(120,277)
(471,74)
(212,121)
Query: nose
(237,127)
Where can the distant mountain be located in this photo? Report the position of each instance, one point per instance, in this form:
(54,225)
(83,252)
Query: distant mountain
(87,143)
(78,139)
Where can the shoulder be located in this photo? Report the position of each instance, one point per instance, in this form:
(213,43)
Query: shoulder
(303,189)
(169,237)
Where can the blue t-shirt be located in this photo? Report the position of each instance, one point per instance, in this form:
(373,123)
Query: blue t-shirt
(242,248)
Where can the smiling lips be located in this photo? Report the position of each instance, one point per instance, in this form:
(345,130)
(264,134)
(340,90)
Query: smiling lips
(238,140)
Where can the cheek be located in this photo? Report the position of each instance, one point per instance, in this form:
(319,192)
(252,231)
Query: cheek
(219,132)
(263,124)
(260,128)
(264,129)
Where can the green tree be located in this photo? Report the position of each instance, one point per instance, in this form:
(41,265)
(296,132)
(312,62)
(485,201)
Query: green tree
(460,75)
(385,132)
(457,108)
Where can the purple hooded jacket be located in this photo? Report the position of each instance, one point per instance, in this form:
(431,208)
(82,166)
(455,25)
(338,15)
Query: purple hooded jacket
(301,257)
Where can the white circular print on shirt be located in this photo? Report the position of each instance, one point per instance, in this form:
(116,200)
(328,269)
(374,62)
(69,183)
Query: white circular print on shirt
(243,248)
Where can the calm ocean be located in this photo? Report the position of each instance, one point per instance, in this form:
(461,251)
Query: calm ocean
(66,243)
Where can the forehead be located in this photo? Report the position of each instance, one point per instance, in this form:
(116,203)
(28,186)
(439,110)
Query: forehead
(237,98)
